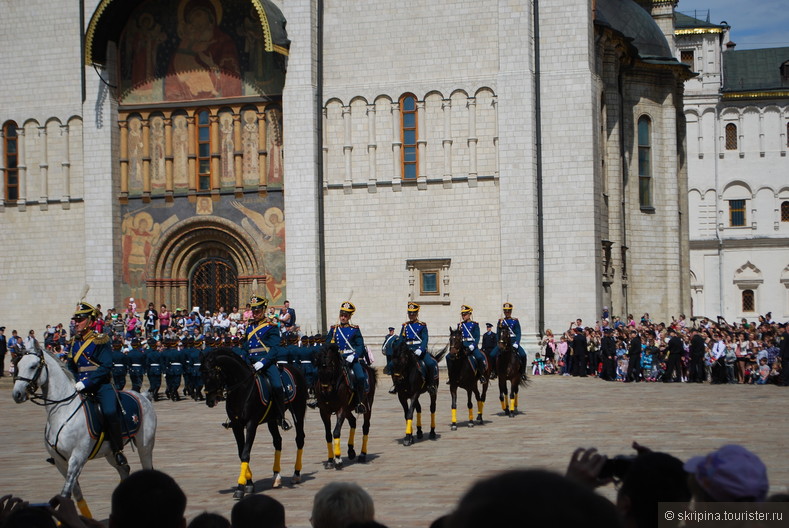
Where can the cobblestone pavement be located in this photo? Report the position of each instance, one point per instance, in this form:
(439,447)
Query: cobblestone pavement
(411,486)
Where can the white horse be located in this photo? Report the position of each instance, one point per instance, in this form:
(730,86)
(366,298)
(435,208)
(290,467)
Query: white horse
(66,435)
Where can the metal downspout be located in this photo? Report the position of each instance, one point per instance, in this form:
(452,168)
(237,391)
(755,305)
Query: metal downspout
(319,179)
(538,168)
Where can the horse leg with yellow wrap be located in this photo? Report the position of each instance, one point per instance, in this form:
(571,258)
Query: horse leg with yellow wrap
(470,410)
(351,436)
(418,409)
(373,379)
(244,484)
(408,411)
(481,403)
(453,392)
(432,434)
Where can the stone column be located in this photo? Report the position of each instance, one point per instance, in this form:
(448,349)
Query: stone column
(146,159)
(446,143)
(347,148)
(169,185)
(66,167)
(124,158)
(192,125)
(421,145)
(371,148)
(471,104)
(397,146)
(43,166)
(238,153)
(21,201)
(262,153)
(213,120)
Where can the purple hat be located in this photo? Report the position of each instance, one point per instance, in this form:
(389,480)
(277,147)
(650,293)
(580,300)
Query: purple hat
(731,473)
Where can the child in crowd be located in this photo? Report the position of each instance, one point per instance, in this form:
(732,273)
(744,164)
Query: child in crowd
(764,372)
(647,361)
(537,365)
(550,368)
(621,368)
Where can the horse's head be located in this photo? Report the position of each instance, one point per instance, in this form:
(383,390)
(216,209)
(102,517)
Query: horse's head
(30,374)
(402,358)
(214,376)
(328,362)
(455,343)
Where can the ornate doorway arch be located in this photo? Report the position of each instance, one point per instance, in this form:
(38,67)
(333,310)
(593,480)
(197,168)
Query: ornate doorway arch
(213,284)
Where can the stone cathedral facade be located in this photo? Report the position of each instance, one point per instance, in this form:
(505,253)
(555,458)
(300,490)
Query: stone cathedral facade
(449,153)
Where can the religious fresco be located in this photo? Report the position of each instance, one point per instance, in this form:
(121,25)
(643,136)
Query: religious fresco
(193,50)
(146,228)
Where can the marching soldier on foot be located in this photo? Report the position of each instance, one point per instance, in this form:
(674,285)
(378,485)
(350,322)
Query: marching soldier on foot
(136,363)
(153,367)
(349,340)
(173,368)
(262,346)
(119,365)
(90,360)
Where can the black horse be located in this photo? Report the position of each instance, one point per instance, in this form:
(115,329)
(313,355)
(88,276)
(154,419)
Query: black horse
(227,376)
(461,374)
(410,382)
(335,395)
(508,369)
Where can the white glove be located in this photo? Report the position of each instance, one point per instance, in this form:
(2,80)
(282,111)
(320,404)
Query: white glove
(257,366)
(79,386)
(515,345)
(349,358)
(418,352)
(471,347)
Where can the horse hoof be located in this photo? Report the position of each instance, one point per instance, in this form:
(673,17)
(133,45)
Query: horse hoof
(454,427)
(239,493)
(329,464)
(432,435)
(338,463)
(351,453)
(480,421)
(277,482)
(249,488)
(363,458)
(408,440)
(419,433)
(471,424)
(296,479)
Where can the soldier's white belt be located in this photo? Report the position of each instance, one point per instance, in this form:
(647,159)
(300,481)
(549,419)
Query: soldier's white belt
(259,349)
(196,364)
(154,364)
(118,365)
(88,369)
(175,364)
(468,339)
(136,365)
(413,342)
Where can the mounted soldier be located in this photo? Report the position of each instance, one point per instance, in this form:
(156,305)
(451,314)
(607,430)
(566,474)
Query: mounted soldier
(262,346)
(511,327)
(414,332)
(469,330)
(89,358)
(350,342)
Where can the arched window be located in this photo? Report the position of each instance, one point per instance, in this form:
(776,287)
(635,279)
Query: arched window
(748,302)
(731,136)
(645,162)
(203,162)
(785,211)
(11,162)
(409,135)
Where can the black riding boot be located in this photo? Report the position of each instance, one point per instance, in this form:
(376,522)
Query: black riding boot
(523,369)
(360,407)
(116,441)
(492,368)
(282,408)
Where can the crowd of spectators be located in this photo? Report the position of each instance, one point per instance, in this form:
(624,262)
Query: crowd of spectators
(694,351)
(526,497)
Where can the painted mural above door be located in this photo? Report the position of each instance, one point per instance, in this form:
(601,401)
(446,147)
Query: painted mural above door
(200,50)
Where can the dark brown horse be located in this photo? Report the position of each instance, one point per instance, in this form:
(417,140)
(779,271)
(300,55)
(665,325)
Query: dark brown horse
(335,395)
(410,381)
(227,376)
(461,374)
(508,369)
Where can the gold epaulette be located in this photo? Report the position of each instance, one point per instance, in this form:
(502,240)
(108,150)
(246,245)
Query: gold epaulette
(413,322)
(101,339)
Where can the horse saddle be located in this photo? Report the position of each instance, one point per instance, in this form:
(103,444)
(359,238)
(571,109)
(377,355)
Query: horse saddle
(131,416)
(350,379)
(264,386)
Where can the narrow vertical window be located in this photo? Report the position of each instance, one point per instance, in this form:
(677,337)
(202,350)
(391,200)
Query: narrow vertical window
(409,137)
(645,162)
(731,136)
(785,211)
(11,162)
(737,213)
(203,129)
(748,303)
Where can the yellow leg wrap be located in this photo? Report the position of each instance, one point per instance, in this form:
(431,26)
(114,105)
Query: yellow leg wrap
(242,475)
(299,454)
(470,414)
(364,443)
(432,420)
(454,416)
(408,426)
(249,473)
(351,436)
(512,404)
(330,449)
(516,400)
(419,419)
(83,509)
(277,458)
(503,405)
(337,448)
(480,406)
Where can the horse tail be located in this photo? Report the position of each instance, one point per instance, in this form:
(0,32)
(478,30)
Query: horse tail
(438,357)
(524,382)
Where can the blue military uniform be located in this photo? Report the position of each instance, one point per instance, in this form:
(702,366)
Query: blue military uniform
(89,358)
(119,367)
(136,363)
(153,367)
(509,327)
(262,345)
(415,335)
(194,360)
(469,331)
(173,370)
(350,343)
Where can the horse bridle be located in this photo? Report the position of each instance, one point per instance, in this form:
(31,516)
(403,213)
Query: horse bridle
(32,383)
